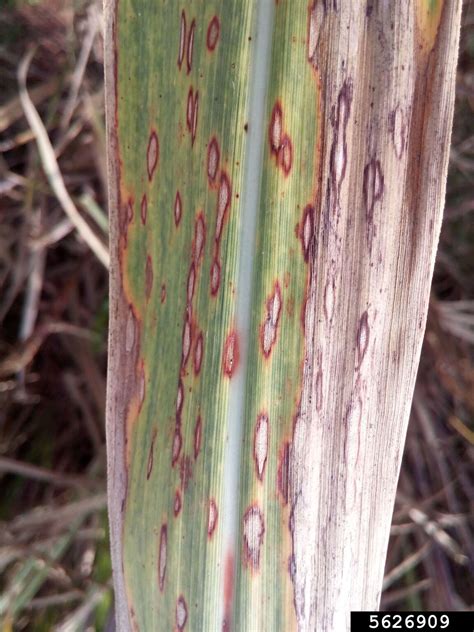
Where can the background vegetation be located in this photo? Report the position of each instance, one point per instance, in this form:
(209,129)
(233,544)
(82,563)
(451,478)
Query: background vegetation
(54,561)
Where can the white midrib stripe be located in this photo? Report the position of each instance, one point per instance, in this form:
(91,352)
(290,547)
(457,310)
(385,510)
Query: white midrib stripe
(249,210)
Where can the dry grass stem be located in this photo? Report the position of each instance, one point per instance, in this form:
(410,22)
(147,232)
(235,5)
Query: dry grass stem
(51,167)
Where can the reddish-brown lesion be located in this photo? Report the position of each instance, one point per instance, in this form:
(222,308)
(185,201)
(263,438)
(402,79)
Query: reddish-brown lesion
(152,154)
(177,503)
(275,131)
(198,353)
(144,209)
(192,111)
(151,453)
(162,556)
(179,401)
(224,198)
(186,342)
(269,328)
(190,47)
(178,209)
(253,527)
(306,231)
(195,117)
(260,444)
(281,146)
(189,109)
(213,517)
(141,384)
(231,354)
(182,39)
(215,275)
(181,613)
(213,160)
(125,218)
(177,442)
(185,471)
(176,445)
(285,155)
(197,436)
(212,35)
(199,240)
(191,341)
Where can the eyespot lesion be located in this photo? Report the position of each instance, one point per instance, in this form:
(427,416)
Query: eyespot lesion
(192,111)
(231,354)
(144,209)
(190,47)
(152,154)
(253,532)
(338,156)
(162,555)
(373,188)
(151,454)
(178,209)
(363,334)
(398,130)
(281,146)
(260,444)
(213,159)
(212,517)
(198,353)
(306,231)
(181,613)
(197,437)
(213,31)
(269,328)
(182,39)
(177,503)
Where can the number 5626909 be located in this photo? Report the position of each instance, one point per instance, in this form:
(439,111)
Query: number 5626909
(408,621)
